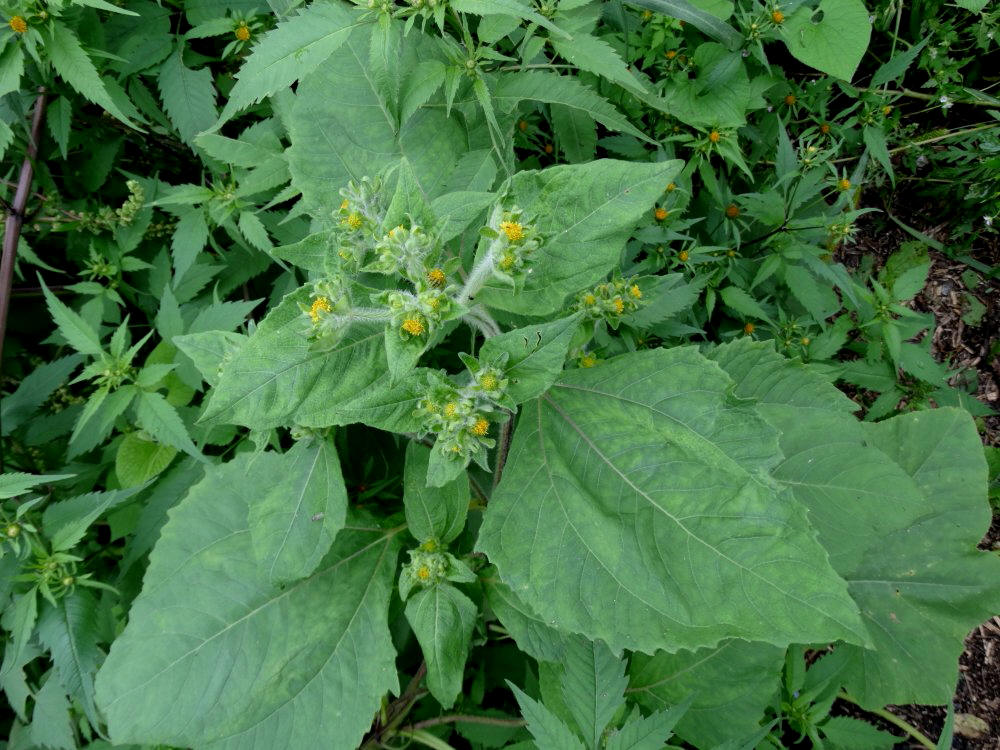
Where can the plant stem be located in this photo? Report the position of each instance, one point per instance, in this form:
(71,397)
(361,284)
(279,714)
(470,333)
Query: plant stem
(15,218)
(503,449)
(466,718)
(926,97)
(911,730)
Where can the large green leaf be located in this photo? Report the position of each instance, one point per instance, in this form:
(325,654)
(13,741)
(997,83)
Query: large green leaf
(653,481)
(832,37)
(535,355)
(217,656)
(302,504)
(70,633)
(276,379)
(432,512)
(901,506)
(341,130)
(731,684)
(442,618)
(586,213)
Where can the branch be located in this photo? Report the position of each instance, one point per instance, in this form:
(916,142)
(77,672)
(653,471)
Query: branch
(15,217)
(466,718)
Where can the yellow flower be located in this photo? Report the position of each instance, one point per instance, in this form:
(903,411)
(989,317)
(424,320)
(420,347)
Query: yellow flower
(489,382)
(682,256)
(423,572)
(320,304)
(344,204)
(635,291)
(242,32)
(436,277)
(749,328)
(671,54)
(619,305)
(413,326)
(589,299)
(588,360)
(805,341)
(481,427)
(886,110)
(430,545)
(507,261)
(671,187)
(353,221)
(513,230)
(434,303)
(18,24)
(790,100)
(732,210)
(714,136)
(660,214)
(824,128)
(450,408)
(778,17)
(844,183)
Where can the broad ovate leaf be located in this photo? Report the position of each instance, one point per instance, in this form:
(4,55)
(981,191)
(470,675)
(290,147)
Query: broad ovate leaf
(586,213)
(649,477)
(832,37)
(216,655)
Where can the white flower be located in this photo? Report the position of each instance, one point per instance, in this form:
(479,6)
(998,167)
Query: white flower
(988,221)
(946,103)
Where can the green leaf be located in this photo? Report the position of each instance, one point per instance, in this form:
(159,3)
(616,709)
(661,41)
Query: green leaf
(70,633)
(11,68)
(295,48)
(586,213)
(653,481)
(78,332)
(455,212)
(299,508)
(894,68)
(598,57)
(742,303)
(160,419)
(718,96)
(649,732)
(206,598)
(50,721)
(188,96)
(310,253)
(705,22)
(17,483)
(505,8)
(442,617)
(422,82)
(98,418)
(252,228)
(875,141)
(341,131)
(549,732)
(732,685)
(576,133)
(593,686)
(552,88)
(76,68)
(19,620)
(138,460)
(208,350)
(66,522)
(855,734)
(432,512)
(235,151)
(831,38)
(534,355)
(532,634)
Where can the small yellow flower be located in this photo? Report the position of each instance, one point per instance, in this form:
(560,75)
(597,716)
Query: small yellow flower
(588,360)
(671,187)
(392,232)
(790,100)
(513,230)
(436,277)
(886,110)
(413,326)
(450,408)
(489,382)
(805,341)
(353,221)
(778,17)
(344,204)
(319,305)
(714,136)
(619,305)
(423,572)
(646,15)
(507,261)
(683,256)
(660,214)
(549,148)
(522,125)
(824,128)
(844,184)
(481,427)
(434,303)
(589,299)
(749,328)
(242,32)
(18,24)
(732,210)
(635,291)
(671,54)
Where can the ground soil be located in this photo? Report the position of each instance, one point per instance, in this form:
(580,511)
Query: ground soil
(970,350)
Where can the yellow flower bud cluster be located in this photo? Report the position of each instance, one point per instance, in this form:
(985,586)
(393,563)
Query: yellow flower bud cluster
(611,300)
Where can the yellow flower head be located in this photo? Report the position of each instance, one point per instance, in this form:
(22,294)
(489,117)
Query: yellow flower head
(660,214)
(778,17)
(431,545)
(824,128)
(436,277)
(671,54)
(481,427)
(588,360)
(635,291)
(844,184)
(805,341)
(450,408)
(671,187)
(589,299)
(790,100)
(507,261)
(423,572)
(886,110)
(413,326)
(749,328)
(18,24)
(619,305)
(344,204)
(682,256)
(242,32)
(714,136)
(513,230)
(489,382)
(732,210)
(319,305)
(434,303)
(353,221)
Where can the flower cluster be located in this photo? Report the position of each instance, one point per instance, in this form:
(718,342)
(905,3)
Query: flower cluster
(429,565)
(611,300)
(328,311)
(514,240)
(359,216)
(460,417)
(404,251)
(415,315)
(133,204)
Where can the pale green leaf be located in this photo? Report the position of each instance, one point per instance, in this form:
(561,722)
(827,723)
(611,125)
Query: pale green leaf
(161,420)
(442,617)
(66,522)
(17,483)
(534,355)
(598,57)
(33,390)
(593,686)
(139,460)
(78,332)
(71,635)
(50,721)
(188,96)
(649,732)
(75,67)
(548,730)
(206,599)
(648,477)
(832,37)
(432,512)
(576,133)
(702,20)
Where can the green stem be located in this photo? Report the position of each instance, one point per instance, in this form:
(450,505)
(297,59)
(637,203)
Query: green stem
(925,97)
(911,730)
(464,718)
